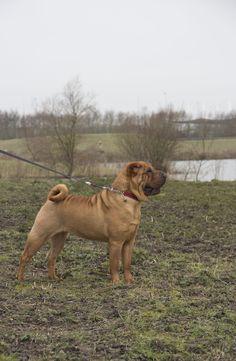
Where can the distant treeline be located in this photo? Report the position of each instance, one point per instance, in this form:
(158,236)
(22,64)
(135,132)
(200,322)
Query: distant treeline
(13,125)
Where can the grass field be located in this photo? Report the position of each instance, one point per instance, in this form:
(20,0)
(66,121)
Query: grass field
(182,306)
(219,144)
(109,145)
(217,148)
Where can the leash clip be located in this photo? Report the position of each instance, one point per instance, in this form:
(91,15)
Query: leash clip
(123,197)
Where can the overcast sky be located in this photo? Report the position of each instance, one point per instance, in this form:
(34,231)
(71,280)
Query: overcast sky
(131,54)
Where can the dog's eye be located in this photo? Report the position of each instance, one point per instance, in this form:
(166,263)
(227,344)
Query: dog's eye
(149,170)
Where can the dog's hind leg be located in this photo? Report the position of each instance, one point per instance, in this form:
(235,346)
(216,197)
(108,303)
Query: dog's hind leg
(33,243)
(57,244)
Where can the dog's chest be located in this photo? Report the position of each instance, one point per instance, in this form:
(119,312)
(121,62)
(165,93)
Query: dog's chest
(127,221)
(123,219)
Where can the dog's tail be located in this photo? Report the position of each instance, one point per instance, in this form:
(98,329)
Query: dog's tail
(58,193)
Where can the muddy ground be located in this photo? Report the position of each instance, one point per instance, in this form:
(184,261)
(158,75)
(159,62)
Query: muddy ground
(182,306)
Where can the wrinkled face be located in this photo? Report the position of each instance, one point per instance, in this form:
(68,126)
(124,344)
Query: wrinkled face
(145,179)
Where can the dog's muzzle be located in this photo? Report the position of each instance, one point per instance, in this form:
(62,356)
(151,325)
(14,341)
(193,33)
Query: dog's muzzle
(152,188)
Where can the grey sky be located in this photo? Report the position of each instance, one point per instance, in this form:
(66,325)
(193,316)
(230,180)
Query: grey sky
(130,53)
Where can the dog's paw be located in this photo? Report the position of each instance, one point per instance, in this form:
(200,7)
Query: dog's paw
(54,277)
(129,279)
(20,277)
(115,280)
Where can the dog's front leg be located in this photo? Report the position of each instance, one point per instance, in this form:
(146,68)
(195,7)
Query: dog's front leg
(127,252)
(115,248)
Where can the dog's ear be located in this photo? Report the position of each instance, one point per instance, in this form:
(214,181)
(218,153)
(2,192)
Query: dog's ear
(133,168)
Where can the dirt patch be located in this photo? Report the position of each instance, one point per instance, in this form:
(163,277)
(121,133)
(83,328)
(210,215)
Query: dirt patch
(182,306)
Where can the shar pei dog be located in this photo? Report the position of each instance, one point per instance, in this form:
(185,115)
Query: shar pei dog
(111,215)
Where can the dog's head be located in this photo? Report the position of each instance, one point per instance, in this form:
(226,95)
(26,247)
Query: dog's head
(141,179)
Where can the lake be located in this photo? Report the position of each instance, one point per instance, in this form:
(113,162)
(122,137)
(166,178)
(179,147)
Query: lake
(221,169)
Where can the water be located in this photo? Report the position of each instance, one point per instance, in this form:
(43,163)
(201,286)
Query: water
(222,169)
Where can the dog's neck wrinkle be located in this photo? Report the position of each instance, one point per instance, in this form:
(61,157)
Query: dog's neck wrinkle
(121,183)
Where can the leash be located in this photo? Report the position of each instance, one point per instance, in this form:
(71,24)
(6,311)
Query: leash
(88,183)
(33,163)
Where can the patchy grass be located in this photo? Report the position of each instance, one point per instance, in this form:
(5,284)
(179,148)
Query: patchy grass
(182,306)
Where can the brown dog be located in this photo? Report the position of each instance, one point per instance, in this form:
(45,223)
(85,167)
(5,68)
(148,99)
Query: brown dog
(107,216)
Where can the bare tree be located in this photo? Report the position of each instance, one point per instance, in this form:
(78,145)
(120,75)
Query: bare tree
(66,112)
(37,142)
(205,146)
(8,124)
(154,140)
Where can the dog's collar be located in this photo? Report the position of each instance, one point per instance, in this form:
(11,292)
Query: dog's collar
(130,195)
(124,194)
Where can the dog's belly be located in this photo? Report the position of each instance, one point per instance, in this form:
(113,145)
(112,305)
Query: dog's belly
(101,228)
(120,233)
(113,231)
(93,236)
(86,228)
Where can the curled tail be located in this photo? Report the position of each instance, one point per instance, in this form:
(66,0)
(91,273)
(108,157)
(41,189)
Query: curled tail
(58,193)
